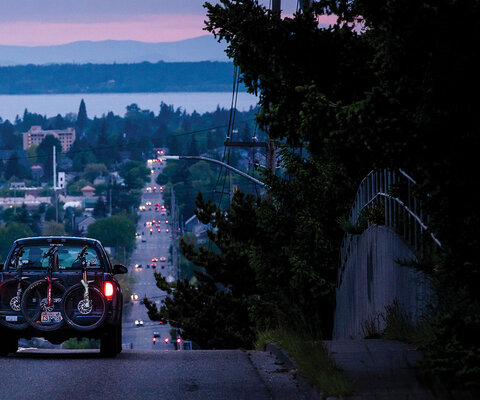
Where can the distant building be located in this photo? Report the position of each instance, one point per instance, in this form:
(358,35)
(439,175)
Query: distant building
(88,191)
(36,135)
(195,226)
(82,223)
(115,178)
(61,182)
(37,171)
(100,180)
(17,186)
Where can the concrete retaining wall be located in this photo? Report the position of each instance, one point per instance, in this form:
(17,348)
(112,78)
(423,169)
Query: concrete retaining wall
(372,279)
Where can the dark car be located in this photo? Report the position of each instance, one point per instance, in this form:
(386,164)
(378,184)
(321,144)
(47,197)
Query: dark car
(29,262)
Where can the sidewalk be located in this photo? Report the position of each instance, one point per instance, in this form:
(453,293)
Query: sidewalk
(381,369)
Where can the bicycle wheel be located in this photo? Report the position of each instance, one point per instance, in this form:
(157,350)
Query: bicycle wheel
(78,313)
(10,305)
(35,309)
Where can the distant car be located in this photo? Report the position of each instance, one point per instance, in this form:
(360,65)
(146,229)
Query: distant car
(138,265)
(163,259)
(159,230)
(134,297)
(148,203)
(156,334)
(149,189)
(138,323)
(148,265)
(167,230)
(154,265)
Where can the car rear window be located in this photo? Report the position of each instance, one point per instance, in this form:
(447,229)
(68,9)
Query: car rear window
(32,257)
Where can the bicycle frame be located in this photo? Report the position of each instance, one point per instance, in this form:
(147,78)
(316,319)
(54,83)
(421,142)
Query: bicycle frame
(15,302)
(84,280)
(49,278)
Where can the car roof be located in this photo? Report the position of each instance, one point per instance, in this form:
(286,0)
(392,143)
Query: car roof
(57,239)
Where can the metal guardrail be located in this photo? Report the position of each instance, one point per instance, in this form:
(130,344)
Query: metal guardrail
(405,215)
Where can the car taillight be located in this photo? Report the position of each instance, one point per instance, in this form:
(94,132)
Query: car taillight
(108,290)
(154,339)
(166,340)
(179,340)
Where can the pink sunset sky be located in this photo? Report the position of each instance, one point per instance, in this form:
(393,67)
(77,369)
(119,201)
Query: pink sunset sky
(51,22)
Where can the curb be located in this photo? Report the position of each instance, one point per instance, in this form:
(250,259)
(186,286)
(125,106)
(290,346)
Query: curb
(283,357)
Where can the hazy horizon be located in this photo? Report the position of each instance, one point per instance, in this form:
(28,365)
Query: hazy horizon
(52,22)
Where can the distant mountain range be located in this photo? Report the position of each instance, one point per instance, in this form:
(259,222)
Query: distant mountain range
(203,48)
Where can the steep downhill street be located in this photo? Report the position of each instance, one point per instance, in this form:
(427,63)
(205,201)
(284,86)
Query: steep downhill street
(153,242)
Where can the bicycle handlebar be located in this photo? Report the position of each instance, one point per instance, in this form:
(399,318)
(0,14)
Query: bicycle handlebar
(51,252)
(83,252)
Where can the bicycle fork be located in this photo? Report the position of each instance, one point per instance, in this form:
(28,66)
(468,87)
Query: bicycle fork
(85,286)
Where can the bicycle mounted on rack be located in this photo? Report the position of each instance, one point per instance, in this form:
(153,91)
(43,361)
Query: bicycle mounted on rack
(84,306)
(11,292)
(41,302)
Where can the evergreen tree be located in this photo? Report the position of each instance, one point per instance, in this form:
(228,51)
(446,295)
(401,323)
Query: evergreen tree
(82,118)
(193,147)
(100,209)
(45,154)
(13,167)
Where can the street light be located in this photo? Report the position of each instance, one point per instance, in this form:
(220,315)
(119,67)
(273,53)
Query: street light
(246,176)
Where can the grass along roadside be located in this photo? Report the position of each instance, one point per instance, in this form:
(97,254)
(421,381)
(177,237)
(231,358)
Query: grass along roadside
(312,359)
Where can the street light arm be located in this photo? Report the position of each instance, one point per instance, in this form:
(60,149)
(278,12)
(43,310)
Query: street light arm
(246,176)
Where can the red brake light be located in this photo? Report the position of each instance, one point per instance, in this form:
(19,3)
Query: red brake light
(166,340)
(108,290)
(154,339)
(179,340)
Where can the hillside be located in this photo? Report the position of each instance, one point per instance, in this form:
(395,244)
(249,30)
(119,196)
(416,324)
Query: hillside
(203,48)
(117,78)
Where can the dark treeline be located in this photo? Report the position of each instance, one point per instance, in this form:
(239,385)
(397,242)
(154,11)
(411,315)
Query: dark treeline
(112,140)
(111,78)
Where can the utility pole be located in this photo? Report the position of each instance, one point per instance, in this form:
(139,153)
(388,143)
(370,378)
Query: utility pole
(110,195)
(276,5)
(304,4)
(174,236)
(55,182)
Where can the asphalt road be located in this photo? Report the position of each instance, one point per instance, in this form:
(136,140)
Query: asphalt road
(54,374)
(156,245)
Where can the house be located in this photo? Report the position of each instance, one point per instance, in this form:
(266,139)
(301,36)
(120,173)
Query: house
(115,178)
(82,223)
(99,180)
(17,186)
(195,226)
(37,171)
(88,191)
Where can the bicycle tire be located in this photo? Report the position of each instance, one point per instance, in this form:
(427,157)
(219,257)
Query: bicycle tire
(11,308)
(84,321)
(32,307)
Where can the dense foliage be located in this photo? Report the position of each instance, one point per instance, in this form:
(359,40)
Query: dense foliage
(114,78)
(395,86)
